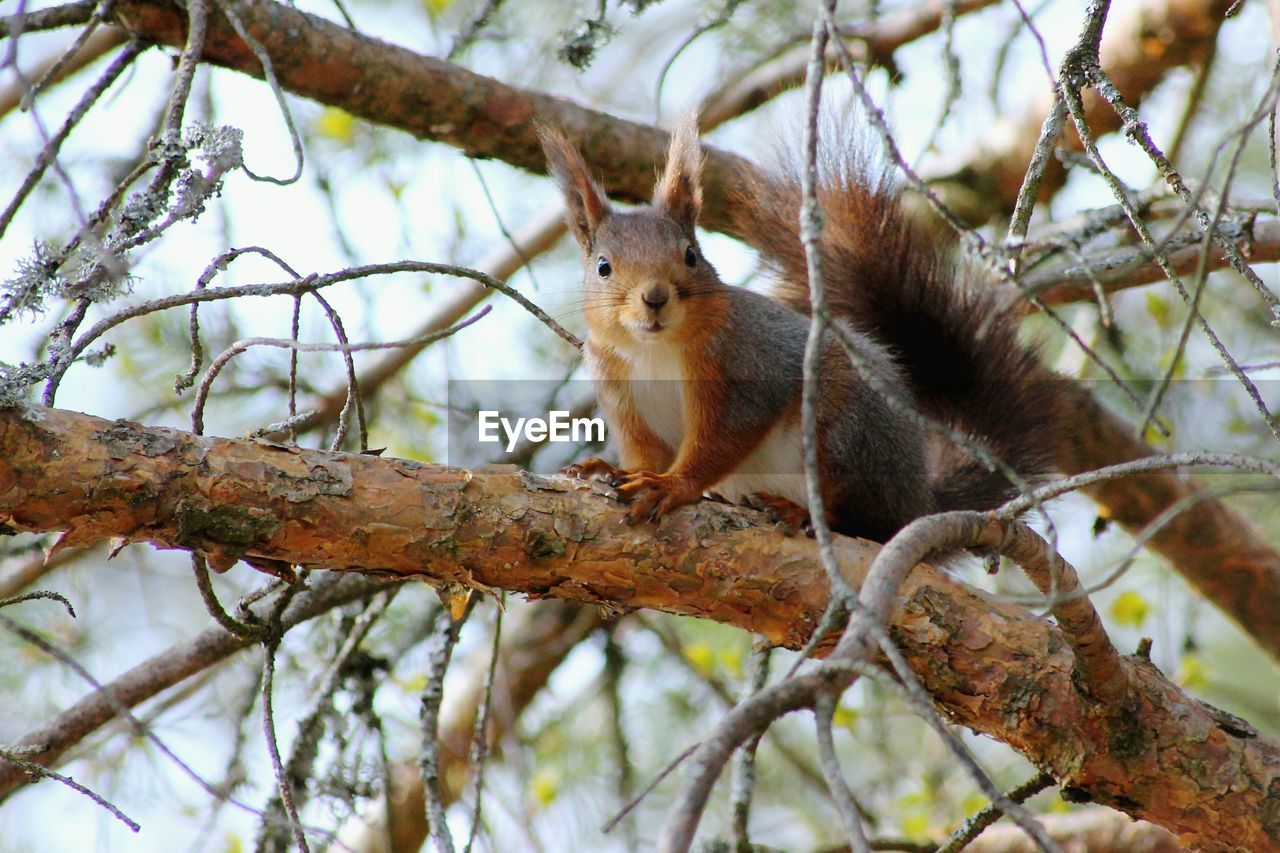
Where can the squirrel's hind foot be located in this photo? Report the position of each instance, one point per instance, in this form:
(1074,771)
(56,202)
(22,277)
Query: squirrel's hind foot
(595,468)
(792,518)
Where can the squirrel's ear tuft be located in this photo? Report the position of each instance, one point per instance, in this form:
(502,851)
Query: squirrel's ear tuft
(585,203)
(679,192)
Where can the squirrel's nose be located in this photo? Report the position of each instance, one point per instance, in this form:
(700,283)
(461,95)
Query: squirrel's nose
(655,297)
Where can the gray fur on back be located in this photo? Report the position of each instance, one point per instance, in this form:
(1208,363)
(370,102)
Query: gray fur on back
(871,454)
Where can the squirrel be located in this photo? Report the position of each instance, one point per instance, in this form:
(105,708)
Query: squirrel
(700,382)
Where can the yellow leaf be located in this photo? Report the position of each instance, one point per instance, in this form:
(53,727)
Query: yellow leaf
(336,124)
(416,684)
(545,786)
(1193,672)
(701,657)
(435,7)
(844,717)
(1158,308)
(916,826)
(973,804)
(731,659)
(1130,609)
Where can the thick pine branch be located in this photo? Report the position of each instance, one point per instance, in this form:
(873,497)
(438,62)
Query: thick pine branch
(1159,754)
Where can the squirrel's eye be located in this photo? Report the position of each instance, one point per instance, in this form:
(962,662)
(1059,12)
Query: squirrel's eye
(602,267)
(690,257)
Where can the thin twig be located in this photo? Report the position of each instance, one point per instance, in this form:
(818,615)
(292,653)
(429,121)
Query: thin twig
(240,346)
(296,286)
(743,771)
(444,635)
(273,749)
(269,74)
(657,780)
(38,771)
(480,735)
(823,711)
(991,813)
(48,155)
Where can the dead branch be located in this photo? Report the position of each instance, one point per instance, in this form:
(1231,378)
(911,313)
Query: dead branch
(873,41)
(427,97)
(66,15)
(1122,268)
(531,650)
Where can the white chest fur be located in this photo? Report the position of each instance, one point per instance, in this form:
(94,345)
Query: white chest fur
(657,386)
(776,466)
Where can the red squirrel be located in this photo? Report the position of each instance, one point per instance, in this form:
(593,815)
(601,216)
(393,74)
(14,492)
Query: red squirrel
(700,382)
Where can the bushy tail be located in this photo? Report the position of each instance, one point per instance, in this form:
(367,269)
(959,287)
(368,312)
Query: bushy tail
(899,282)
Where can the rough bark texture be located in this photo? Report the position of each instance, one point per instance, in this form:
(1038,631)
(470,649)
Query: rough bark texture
(1158,754)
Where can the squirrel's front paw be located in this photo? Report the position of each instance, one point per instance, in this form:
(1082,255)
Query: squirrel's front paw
(652,496)
(784,512)
(595,468)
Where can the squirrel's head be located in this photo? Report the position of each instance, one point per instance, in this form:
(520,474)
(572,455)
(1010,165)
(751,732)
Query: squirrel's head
(642,269)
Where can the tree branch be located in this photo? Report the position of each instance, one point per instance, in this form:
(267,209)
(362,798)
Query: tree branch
(1132,266)
(427,97)
(436,100)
